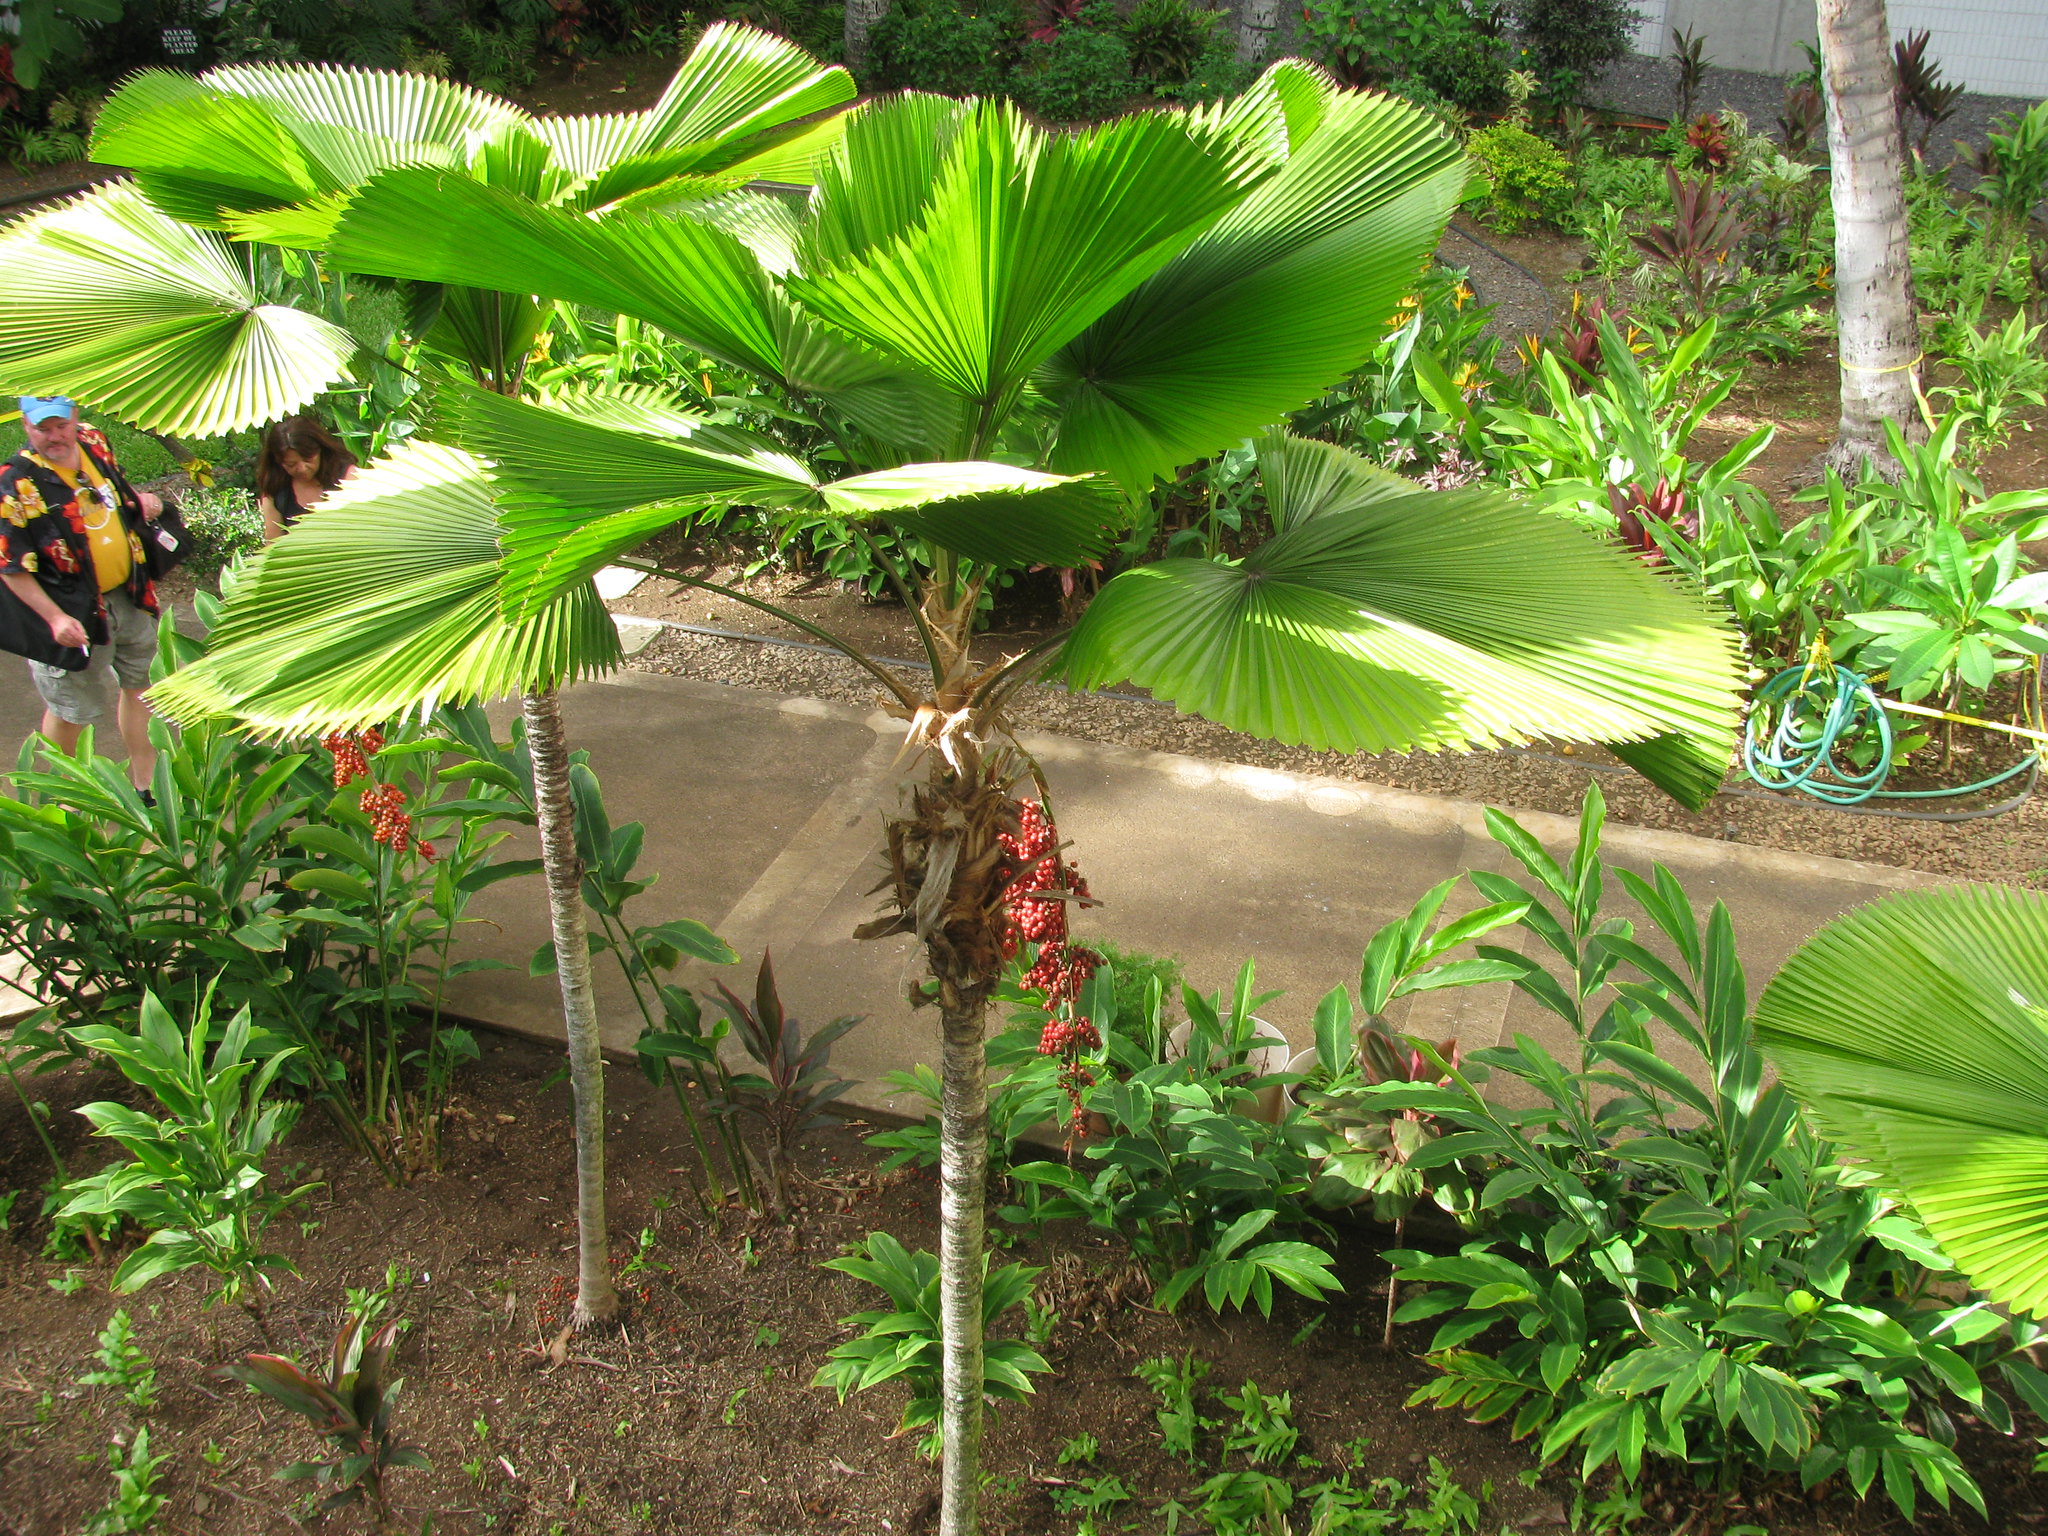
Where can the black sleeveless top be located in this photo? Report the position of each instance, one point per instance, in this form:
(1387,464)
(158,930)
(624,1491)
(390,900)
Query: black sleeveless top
(287,503)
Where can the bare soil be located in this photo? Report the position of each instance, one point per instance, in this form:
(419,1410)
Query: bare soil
(694,1413)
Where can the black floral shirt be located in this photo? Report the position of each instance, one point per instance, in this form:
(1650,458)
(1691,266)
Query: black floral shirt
(42,531)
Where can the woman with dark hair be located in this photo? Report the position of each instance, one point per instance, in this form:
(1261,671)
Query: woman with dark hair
(297,464)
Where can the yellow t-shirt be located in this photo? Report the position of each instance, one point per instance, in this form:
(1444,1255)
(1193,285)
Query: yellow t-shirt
(104,530)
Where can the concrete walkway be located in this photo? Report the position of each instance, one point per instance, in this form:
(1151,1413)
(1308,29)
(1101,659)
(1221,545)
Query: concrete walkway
(764,817)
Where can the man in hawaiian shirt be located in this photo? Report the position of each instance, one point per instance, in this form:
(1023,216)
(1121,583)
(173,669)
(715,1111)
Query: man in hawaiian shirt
(71,549)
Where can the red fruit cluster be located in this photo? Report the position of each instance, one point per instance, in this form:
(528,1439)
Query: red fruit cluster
(1059,972)
(1041,887)
(352,753)
(1064,1035)
(1039,893)
(384,804)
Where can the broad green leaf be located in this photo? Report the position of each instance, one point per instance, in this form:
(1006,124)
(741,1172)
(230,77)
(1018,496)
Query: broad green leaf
(1915,1030)
(383,601)
(1442,620)
(109,300)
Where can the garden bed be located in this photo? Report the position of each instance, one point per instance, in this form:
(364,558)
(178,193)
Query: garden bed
(696,1416)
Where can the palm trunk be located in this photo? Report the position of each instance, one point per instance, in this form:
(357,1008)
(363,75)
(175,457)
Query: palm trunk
(1878,328)
(596,1300)
(963,1179)
(949,880)
(861,15)
(1256,25)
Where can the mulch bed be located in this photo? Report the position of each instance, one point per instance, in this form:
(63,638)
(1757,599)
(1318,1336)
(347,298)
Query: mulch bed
(695,1414)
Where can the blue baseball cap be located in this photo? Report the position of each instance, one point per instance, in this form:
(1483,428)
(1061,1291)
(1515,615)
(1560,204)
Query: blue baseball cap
(37,409)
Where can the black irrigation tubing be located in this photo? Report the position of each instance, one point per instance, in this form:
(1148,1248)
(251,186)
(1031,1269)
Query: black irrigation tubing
(713,632)
(1494,251)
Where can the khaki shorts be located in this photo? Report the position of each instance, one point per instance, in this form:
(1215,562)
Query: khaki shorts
(80,698)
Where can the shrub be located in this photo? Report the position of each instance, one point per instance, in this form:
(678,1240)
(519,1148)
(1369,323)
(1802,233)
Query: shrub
(1574,40)
(1217,74)
(225,525)
(1450,47)
(1169,40)
(1532,180)
(1083,72)
(1467,68)
(1676,1266)
(935,45)
(255,864)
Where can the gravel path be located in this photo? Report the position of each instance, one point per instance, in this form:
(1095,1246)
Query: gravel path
(2012,848)
(1648,86)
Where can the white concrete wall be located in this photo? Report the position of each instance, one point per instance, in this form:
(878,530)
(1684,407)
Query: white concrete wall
(1762,35)
(1998,47)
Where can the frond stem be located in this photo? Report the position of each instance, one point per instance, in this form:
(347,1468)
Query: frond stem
(846,648)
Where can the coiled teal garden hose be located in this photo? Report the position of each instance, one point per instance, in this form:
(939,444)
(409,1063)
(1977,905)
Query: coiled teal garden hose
(1802,714)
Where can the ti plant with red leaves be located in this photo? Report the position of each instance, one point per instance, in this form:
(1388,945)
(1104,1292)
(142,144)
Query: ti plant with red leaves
(1639,514)
(1801,119)
(1707,136)
(799,1083)
(348,1402)
(1920,89)
(1697,244)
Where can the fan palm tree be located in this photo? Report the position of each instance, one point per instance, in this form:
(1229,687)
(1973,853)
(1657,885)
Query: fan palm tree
(961,294)
(135,299)
(1915,1031)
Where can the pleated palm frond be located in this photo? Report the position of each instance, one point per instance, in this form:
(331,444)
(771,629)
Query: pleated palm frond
(384,600)
(691,277)
(688,277)
(1380,622)
(1289,291)
(259,136)
(107,299)
(582,483)
(249,138)
(740,104)
(1915,1031)
(1024,239)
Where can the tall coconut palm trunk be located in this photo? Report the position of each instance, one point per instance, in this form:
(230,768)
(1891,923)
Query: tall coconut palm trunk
(861,16)
(1256,24)
(547,742)
(1878,328)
